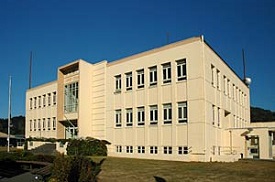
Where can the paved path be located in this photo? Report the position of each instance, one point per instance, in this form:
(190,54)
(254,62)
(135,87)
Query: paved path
(25,177)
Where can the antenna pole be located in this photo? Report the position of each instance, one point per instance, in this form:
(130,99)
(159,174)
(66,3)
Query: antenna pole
(9,115)
(30,71)
(244,69)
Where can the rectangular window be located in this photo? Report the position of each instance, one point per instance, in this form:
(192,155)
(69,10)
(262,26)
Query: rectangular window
(129,82)
(118,83)
(167,113)
(49,123)
(54,123)
(118,118)
(49,99)
(153,149)
(39,101)
(30,103)
(228,88)
(213,115)
(129,149)
(182,112)
(44,123)
(118,148)
(166,72)
(218,79)
(213,75)
(183,150)
(154,114)
(219,116)
(153,75)
(141,116)
(129,117)
(181,69)
(167,150)
(225,84)
(39,125)
(141,149)
(35,100)
(54,98)
(71,98)
(34,125)
(44,100)
(140,78)
(30,125)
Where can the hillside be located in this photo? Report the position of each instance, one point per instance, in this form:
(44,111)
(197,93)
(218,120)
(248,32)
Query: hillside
(17,125)
(258,114)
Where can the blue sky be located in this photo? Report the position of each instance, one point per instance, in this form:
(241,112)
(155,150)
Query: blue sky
(60,31)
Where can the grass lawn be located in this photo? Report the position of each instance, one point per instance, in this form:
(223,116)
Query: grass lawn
(131,170)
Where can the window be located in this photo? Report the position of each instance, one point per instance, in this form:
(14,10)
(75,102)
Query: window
(49,123)
(167,113)
(214,150)
(225,84)
(118,148)
(39,101)
(129,82)
(118,117)
(118,83)
(213,115)
(30,125)
(141,149)
(49,99)
(140,78)
(182,112)
(228,88)
(39,125)
(166,71)
(30,103)
(44,123)
(141,116)
(129,117)
(213,75)
(129,149)
(153,149)
(44,100)
(71,98)
(219,116)
(54,123)
(218,79)
(183,150)
(54,98)
(153,75)
(34,125)
(167,150)
(154,114)
(181,69)
(35,100)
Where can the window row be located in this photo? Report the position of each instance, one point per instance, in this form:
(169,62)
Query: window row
(43,124)
(153,114)
(181,150)
(43,100)
(216,116)
(230,89)
(153,76)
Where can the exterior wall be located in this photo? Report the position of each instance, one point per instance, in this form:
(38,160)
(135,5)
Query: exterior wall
(206,136)
(44,111)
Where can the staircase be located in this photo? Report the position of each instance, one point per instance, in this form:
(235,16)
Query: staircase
(48,149)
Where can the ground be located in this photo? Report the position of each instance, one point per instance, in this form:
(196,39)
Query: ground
(121,169)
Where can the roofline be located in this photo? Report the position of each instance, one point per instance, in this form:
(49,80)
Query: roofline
(42,85)
(155,50)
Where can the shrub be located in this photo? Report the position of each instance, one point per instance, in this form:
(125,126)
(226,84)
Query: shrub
(87,147)
(75,169)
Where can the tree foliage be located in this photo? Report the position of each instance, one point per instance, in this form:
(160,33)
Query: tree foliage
(259,115)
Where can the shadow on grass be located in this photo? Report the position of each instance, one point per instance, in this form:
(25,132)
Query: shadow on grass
(159,179)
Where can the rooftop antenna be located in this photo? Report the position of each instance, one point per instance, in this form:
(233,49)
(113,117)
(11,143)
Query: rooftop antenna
(9,116)
(246,80)
(30,72)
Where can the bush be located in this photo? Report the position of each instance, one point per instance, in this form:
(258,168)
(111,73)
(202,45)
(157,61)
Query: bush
(87,147)
(75,169)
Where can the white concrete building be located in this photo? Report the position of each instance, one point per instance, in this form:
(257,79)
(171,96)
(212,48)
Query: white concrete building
(177,102)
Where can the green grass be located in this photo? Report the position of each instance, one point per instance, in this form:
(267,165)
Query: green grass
(131,170)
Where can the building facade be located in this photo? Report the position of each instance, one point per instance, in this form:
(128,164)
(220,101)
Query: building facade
(177,102)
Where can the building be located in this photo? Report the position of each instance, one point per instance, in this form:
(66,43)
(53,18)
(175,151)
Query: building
(177,102)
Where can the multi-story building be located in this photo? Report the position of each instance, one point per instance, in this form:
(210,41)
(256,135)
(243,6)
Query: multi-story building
(177,102)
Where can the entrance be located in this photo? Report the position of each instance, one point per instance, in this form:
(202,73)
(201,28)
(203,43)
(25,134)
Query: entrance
(253,146)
